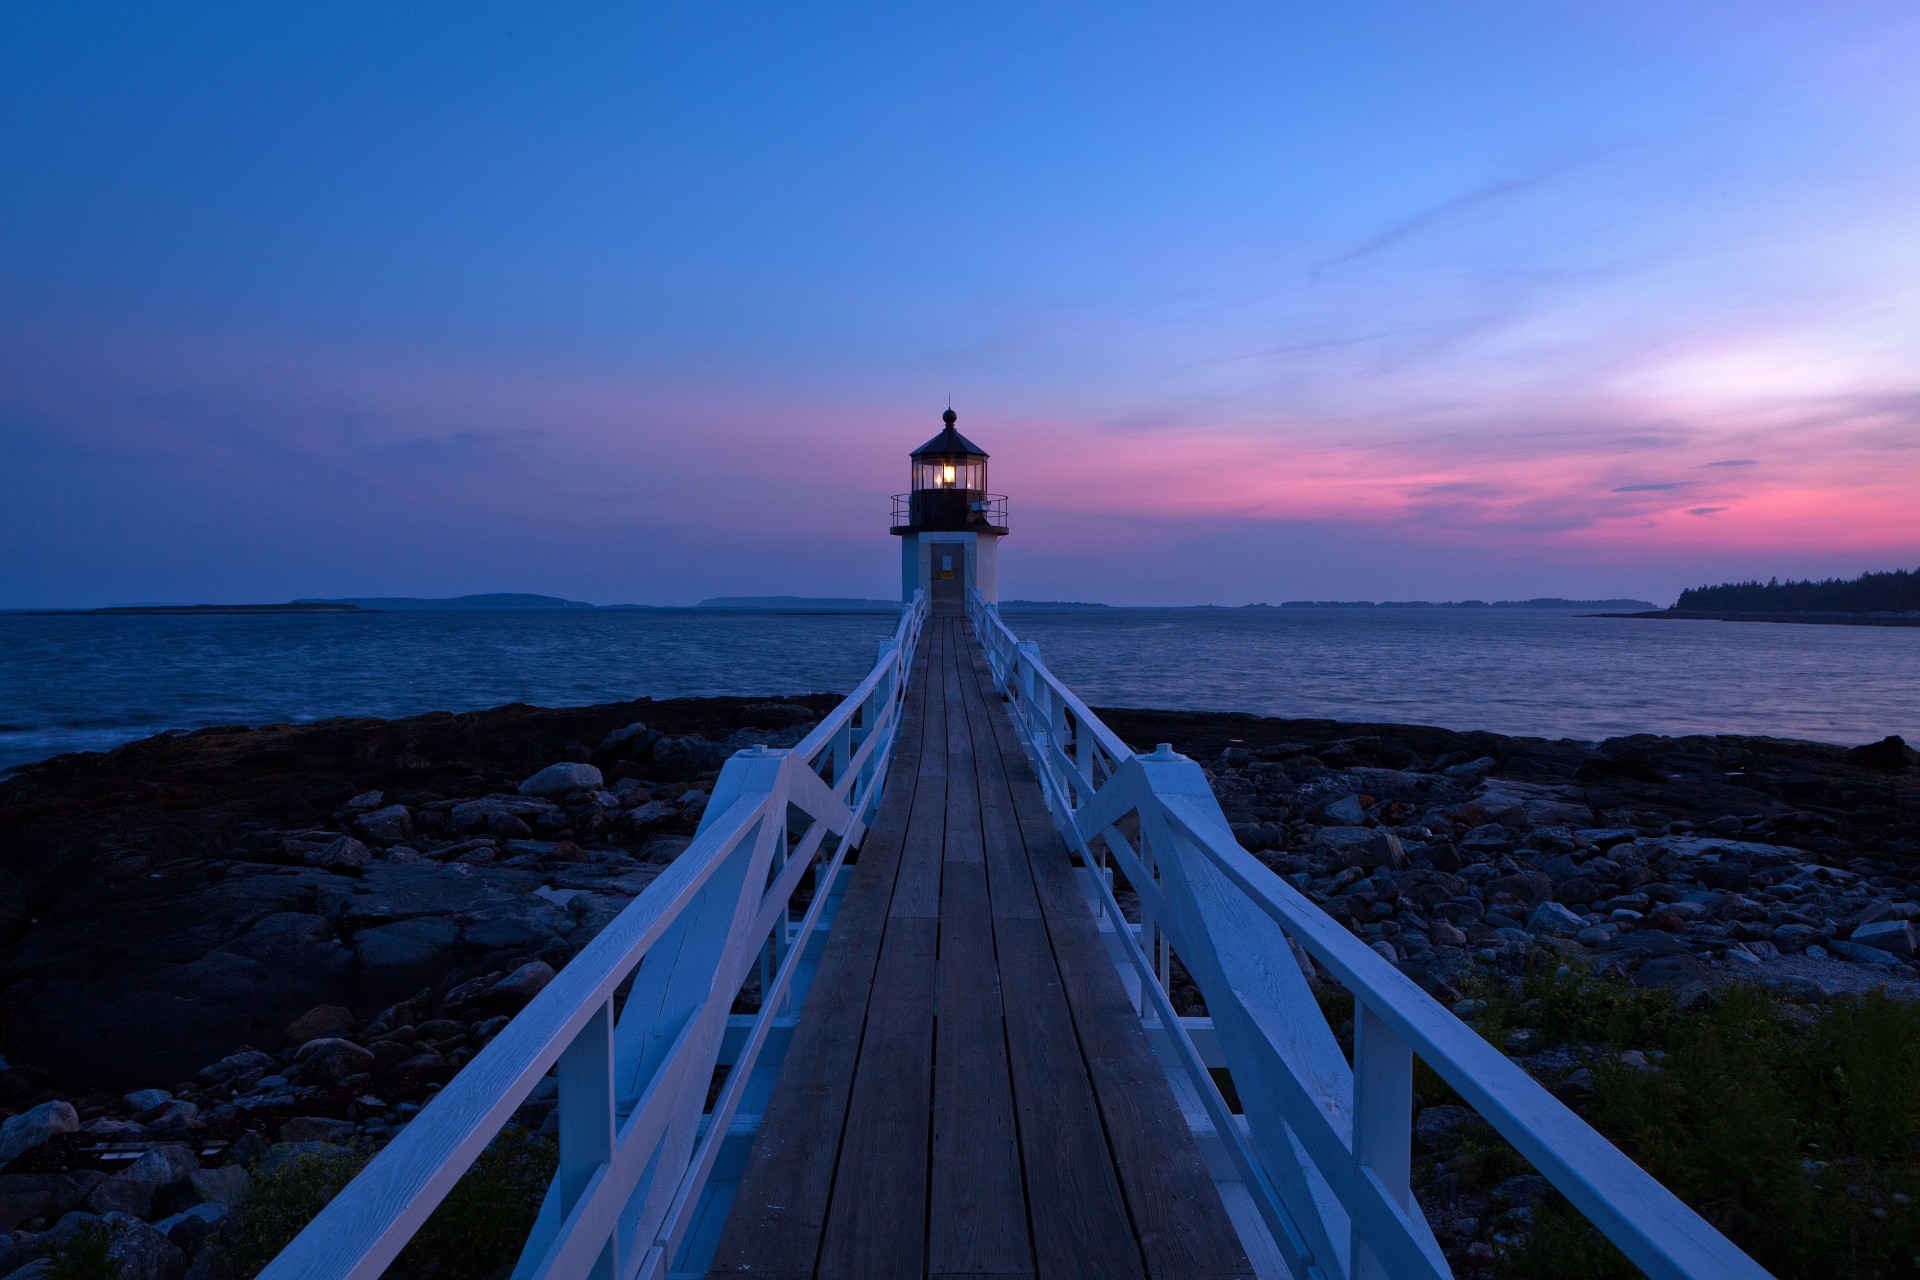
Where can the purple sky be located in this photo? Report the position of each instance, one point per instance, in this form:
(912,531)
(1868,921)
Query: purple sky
(1391,301)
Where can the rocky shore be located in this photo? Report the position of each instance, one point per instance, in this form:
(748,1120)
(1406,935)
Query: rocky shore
(228,948)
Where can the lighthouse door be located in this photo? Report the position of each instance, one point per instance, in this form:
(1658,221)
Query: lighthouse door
(949,574)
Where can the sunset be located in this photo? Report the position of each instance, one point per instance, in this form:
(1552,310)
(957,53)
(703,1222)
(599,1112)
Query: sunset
(842,641)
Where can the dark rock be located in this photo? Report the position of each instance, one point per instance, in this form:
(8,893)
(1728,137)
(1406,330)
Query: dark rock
(520,986)
(35,1127)
(345,855)
(1672,971)
(1889,755)
(333,1059)
(1444,1126)
(239,1069)
(319,1021)
(408,951)
(386,826)
(142,1252)
(1361,846)
(562,779)
(1529,887)
(316,1129)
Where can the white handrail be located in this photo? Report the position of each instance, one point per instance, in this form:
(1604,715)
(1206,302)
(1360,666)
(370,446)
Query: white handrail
(1326,1153)
(633,1082)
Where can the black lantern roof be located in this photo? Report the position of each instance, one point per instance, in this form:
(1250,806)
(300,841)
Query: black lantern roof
(949,443)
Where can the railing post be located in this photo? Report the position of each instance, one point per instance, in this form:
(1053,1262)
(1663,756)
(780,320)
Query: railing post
(1382,1121)
(586,1118)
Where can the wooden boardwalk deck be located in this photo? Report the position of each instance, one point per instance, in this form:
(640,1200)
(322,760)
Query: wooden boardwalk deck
(969,1091)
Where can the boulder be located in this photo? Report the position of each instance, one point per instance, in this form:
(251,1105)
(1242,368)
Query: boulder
(316,1129)
(1444,1126)
(223,1185)
(190,1228)
(42,1195)
(1889,755)
(333,1059)
(1530,887)
(144,1101)
(321,1020)
(1346,812)
(520,986)
(561,779)
(345,855)
(1673,972)
(1361,846)
(386,826)
(1552,918)
(22,1133)
(142,1252)
(238,1070)
(161,1166)
(406,948)
(1893,936)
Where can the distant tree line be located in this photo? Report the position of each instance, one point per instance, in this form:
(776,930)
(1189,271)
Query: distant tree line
(1894,592)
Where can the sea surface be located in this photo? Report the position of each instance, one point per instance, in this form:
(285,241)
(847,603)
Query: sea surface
(88,683)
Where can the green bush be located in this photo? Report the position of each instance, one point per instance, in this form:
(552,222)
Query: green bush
(87,1256)
(276,1206)
(478,1230)
(1797,1134)
(475,1234)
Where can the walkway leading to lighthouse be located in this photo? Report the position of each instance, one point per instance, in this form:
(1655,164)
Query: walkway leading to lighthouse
(969,1091)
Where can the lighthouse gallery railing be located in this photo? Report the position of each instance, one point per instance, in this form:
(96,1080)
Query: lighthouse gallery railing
(1323,1146)
(638,1139)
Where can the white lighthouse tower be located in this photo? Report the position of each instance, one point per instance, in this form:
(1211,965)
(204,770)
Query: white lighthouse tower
(949,526)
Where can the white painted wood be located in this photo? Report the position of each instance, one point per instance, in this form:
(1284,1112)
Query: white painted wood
(637,1141)
(1333,1144)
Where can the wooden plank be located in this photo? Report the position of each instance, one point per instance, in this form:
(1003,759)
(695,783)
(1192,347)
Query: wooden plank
(963,789)
(977,1211)
(780,1209)
(1181,1224)
(877,1224)
(917,893)
(1010,885)
(1079,1217)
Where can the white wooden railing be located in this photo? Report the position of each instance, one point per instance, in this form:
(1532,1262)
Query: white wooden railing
(1324,1148)
(637,1138)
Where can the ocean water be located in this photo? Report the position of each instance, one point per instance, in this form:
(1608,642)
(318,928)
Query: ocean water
(87,683)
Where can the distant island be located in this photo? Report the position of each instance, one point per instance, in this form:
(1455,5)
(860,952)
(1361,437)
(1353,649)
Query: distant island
(802,604)
(406,604)
(298,606)
(1890,599)
(1540,602)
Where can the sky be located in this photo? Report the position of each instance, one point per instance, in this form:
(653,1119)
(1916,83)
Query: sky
(1248,302)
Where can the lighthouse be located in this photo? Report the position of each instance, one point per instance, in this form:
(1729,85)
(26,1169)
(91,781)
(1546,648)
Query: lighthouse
(949,526)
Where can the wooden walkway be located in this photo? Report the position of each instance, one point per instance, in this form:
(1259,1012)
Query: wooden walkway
(969,1091)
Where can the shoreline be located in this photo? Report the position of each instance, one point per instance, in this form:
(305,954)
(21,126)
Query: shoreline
(247,939)
(1821,619)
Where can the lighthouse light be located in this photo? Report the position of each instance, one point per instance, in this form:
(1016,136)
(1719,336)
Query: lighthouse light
(947,475)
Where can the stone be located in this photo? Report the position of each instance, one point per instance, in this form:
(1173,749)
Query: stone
(1443,934)
(362,803)
(22,1133)
(1346,812)
(1795,937)
(321,1020)
(1889,755)
(120,1195)
(316,1129)
(1552,918)
(1673,972)
(1471,771)
(345,855)
(1526,1188)
(175,1117)
(143,1252)
(386,826)
(1861,954)
(333,1059)
(41,1195)
(238,1069)
(223,1185)
(1445,1126)
(1894,936)
(508,826)
(142,1101)
(406,947)
(161,1166)
(190,1228)
(562,779)
(1361,846)
(1530,887)
(522,985)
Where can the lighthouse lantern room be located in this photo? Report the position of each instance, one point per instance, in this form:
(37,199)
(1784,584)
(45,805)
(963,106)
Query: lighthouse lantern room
(949,526)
